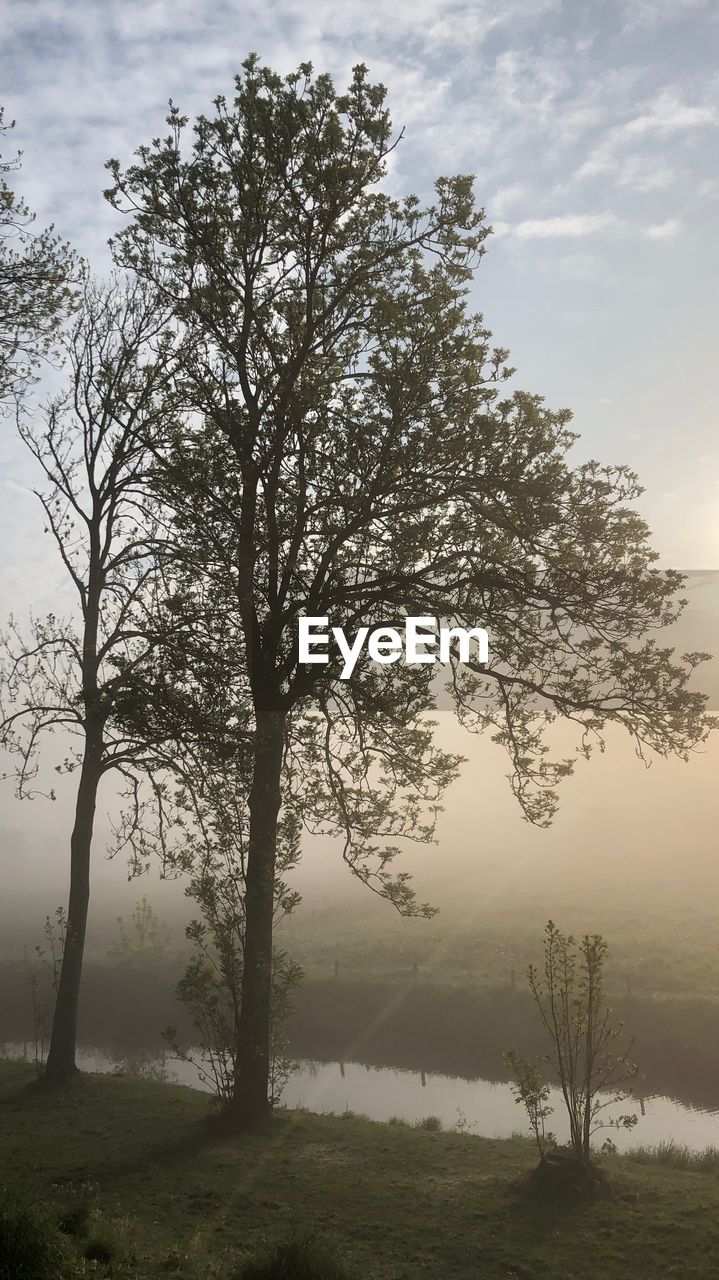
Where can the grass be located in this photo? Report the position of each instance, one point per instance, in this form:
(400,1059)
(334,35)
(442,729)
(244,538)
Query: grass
(387,1202)
(669,949)
(31,1246)
(299,1259)
(676,1156)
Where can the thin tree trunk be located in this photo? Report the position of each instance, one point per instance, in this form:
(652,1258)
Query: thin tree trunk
(251,1103)
(61,1065)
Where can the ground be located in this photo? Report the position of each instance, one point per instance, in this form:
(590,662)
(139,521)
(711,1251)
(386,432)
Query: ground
(399,1203)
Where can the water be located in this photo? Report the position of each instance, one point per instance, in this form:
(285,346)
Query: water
(487,1107)
(483,1107)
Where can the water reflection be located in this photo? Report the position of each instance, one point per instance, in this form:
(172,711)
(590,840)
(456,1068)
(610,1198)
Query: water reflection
(486,1107)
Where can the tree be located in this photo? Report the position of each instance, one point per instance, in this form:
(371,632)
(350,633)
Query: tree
(587,1055)
(211,987)
(353,457)
(91,447)
(143,938)
(37,271)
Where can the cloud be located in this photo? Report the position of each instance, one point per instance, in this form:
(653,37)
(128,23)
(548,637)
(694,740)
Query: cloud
(662,118)
(668,115)
(653,13)
(571,226)
(579,226)
(663,230)
(536,97)
(644,174)
(504,198)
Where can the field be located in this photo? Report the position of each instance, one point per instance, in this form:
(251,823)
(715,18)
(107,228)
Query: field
(670,949)
(170,1195)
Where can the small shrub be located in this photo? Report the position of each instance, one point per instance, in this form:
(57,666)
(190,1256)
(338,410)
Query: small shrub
(31,1247)
(464,1125)
(588,1056)
(398,1122)
(303,1259)
(432,1124)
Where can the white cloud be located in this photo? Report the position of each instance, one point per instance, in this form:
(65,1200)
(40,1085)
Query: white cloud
(663,117)
(505,197)
(651,13)
(644,174)
(666,115)
(572,226)
(579,226)
(504,91)
(663,230)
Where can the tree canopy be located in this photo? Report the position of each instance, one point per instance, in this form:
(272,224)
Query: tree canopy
(355,451)
(37,269)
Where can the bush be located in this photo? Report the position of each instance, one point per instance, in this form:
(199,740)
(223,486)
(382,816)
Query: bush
(303,1259)
(432,1124)
(587,1055)
(31,1247)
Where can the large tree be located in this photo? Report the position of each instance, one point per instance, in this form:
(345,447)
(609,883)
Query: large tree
(354,456)
(74,676)
(37,269)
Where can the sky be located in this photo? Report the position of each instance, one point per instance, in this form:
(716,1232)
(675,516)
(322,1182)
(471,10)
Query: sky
(591,130)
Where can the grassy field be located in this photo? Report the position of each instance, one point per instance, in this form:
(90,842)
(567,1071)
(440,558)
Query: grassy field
(669,952)
(398,1203)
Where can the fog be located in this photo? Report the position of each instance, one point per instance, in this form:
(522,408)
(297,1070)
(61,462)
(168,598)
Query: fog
(627,835)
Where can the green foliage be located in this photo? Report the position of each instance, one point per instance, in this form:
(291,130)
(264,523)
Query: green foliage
(532,1091)
(31,1246)
(586,1055)
(37,271)
(305,1258)
(355,455)
(211,986)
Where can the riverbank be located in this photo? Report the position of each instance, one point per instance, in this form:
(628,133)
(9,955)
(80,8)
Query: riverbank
(171,1196)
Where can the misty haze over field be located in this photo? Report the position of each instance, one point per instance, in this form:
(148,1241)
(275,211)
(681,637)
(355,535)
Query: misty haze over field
(652,831)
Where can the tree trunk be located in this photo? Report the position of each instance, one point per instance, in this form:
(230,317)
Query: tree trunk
(61,1065)
(251,1103)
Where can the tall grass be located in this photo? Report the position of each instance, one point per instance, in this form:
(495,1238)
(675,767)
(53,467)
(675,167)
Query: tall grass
(305,1258)
(676,1156)
(31,1247)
